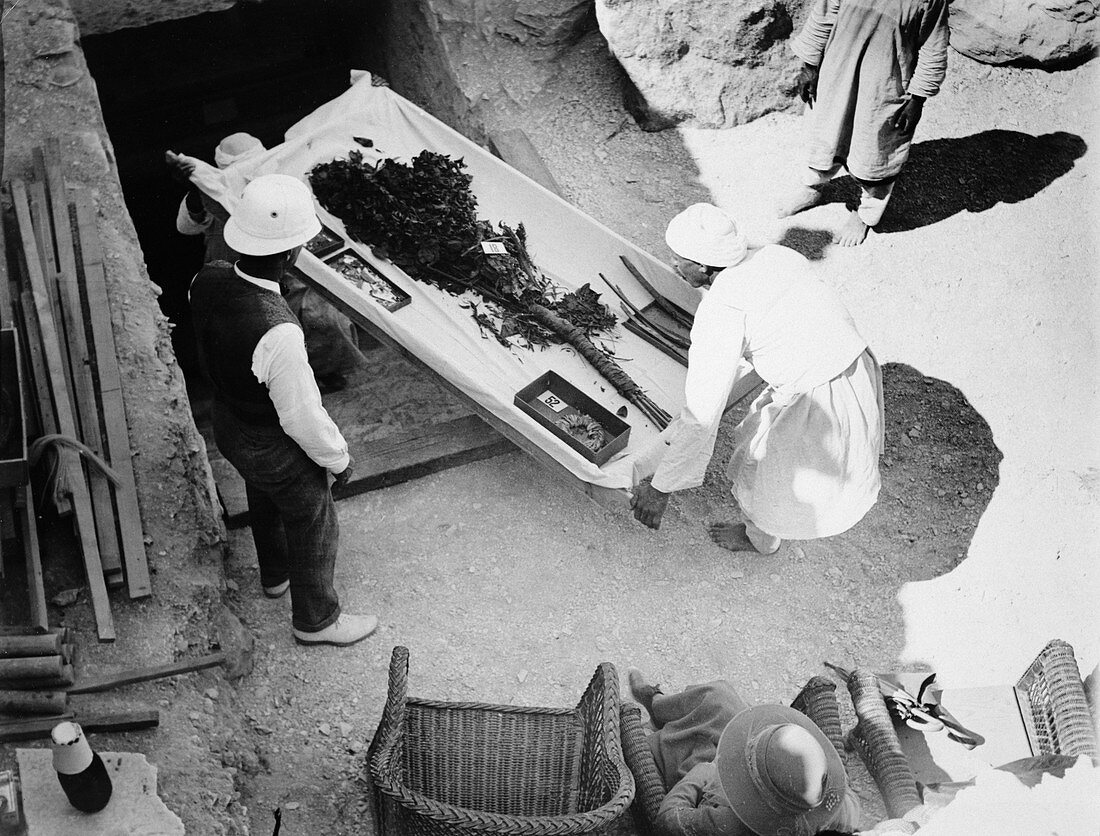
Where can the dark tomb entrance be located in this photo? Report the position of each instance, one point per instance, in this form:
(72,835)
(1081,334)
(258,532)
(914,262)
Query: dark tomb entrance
(184,85)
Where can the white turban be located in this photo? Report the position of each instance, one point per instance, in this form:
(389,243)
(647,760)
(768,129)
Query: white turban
(236,148)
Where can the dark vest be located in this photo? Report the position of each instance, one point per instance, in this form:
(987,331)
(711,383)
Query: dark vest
(230,316)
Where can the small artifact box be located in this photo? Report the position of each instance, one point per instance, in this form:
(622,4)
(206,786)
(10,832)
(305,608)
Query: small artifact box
(364,276)
(324,242)
(594,432)
(13,433)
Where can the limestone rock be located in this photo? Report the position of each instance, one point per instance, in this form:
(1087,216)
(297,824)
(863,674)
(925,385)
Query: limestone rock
(548,22)
(1040,32)
(702,63)
(134,809)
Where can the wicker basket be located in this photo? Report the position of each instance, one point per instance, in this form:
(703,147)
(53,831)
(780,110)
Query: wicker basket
(877,742)
(1053,704)
(446,768)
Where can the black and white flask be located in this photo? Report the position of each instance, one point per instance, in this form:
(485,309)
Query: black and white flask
(81,771)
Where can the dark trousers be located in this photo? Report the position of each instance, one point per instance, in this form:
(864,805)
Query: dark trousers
(291,513)
(688,725)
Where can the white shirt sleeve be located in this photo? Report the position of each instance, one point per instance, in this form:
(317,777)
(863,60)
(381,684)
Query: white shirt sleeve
(717,342)
(281,364)
(187,225)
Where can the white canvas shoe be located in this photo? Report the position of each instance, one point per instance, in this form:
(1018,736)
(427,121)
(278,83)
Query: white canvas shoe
(346,629)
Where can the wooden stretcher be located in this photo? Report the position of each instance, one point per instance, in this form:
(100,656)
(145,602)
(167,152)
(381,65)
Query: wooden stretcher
(340,294)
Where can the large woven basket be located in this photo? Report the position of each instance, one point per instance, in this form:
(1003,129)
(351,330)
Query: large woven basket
(449,768)
(1053,705)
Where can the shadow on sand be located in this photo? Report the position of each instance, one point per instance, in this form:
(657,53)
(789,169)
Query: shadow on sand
(973,173)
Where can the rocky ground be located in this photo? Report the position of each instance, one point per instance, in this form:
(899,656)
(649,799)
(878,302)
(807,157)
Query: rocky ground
(507,587)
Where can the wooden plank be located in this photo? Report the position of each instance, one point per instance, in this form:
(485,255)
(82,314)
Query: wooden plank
(409,455)
(396,458)
(63,680)
(116,721)
(91,273)
(129,677)
(31,667)
(45,644)
(47,265)
(33,702)
(97,588)
(514,146)
(340,294)
(83,390)
(36,586)
(7,282)
(39,374)
(47,255)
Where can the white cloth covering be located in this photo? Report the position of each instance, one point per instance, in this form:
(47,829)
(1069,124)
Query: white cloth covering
(279,362)
(805,463)
(872,55)
(434,327)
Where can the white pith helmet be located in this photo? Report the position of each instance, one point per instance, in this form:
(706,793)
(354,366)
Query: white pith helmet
(275,214)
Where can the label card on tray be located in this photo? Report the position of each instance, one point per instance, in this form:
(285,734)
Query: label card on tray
(553,401)
(493,248)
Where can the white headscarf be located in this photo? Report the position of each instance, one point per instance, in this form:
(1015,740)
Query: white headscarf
(237,148)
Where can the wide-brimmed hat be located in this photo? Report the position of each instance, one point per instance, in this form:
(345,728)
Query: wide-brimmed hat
(275,214)
(236,148)
(706,234)
(779,771)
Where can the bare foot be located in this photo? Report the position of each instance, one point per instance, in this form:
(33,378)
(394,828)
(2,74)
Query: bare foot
(641,690)
(804,198)
(852,233)
(731,536)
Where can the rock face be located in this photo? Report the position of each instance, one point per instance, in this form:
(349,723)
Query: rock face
(1037,33)
(702,63)
(546,22)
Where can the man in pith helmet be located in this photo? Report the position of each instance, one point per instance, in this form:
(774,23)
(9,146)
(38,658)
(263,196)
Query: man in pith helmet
(268,419)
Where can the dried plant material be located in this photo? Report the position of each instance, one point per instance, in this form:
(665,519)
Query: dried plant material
(422,217)
(584,428)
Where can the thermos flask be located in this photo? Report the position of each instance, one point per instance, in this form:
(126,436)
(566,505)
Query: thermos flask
(81,771)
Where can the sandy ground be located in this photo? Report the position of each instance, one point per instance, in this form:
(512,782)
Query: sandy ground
(978,297)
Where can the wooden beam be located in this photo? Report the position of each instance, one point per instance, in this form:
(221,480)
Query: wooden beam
(115,680)
(82,507)
(91,272)
(33,702)
(45,644)
(117,721)
(36,587)
(391,460)
(76,342)
(514,146)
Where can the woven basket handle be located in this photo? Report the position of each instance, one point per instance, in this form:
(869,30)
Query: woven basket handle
(383,760)
(881,749)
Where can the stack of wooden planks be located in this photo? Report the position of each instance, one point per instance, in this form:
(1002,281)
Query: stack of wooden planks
(63,315)
(36,683)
